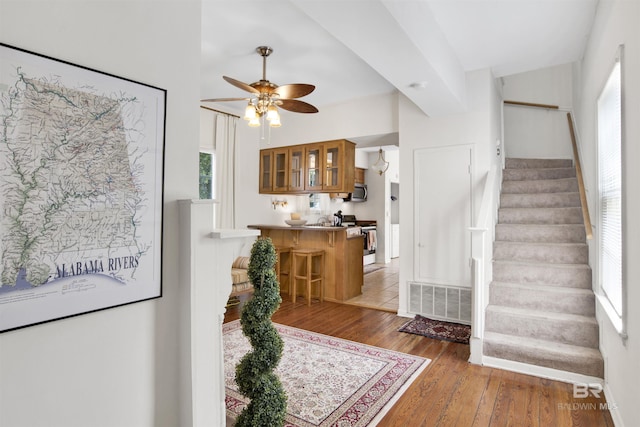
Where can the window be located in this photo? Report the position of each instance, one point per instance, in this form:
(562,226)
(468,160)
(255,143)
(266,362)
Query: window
(610,194)
(207,175)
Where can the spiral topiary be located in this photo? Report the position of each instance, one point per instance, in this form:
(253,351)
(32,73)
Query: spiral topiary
(254,374)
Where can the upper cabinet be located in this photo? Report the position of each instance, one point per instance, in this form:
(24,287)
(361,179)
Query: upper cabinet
(296,169)
(320,167)
(313,167)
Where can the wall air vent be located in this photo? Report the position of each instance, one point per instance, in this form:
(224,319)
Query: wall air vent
(440,302)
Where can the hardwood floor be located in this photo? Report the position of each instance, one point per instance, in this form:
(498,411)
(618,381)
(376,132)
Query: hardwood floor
(450,391)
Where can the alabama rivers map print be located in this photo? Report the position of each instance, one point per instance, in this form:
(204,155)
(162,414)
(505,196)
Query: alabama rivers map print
(81,162)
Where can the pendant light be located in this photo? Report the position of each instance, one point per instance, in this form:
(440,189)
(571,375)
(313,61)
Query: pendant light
(381,165)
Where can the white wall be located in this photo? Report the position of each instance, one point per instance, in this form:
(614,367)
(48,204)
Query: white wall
(534,132)
(480,126)
(616,23)
(117,367)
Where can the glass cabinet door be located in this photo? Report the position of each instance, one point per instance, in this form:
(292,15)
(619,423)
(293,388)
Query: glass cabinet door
(332,167)
(313,168)
(280,169)
(266,174)
(296,169)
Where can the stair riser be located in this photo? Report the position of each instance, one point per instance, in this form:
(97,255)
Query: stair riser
(533,174)
(540,216)
(572,332)
(556,254)
(540,233)
(546,274)
(584,366)
(515,163)
(535,299)
(540,200)
(566,185)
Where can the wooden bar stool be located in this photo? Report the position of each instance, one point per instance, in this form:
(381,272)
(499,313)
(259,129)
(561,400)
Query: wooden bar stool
(283,267)
(305,258)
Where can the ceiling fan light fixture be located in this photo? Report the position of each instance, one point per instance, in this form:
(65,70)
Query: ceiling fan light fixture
(267,98)
(272,113)
(381,165)
(250,112)
(275,122)
(254,122)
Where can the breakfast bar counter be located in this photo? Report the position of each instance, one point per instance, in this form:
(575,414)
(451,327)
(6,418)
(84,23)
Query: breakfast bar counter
(343,269)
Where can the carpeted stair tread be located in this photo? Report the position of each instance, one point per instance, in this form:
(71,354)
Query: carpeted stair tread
(560,185)
(571,215)
(534,174)
(568,275)
(540,200)
(564,328)
(549,233)
(551,298)
(556,253)
(526,163)
(565,357)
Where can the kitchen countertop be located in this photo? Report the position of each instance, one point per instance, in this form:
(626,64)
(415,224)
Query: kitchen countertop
(297,227)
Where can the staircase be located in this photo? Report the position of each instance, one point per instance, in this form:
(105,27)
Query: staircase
(542,308)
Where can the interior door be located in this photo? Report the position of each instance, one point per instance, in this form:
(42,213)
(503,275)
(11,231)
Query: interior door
(443,215)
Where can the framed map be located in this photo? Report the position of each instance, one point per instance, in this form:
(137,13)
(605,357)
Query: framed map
(81,174)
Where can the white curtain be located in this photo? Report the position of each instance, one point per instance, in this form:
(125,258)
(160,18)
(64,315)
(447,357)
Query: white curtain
(224,141)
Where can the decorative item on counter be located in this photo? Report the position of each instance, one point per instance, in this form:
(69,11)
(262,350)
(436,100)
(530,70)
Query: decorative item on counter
(337,219)
(295,220)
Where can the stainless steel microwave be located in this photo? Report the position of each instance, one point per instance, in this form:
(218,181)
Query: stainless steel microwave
(359,194)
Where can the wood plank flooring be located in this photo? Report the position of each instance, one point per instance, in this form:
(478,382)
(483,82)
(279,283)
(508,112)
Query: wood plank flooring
(450,391)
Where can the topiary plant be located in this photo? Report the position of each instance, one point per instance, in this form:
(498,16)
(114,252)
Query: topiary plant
(254,374)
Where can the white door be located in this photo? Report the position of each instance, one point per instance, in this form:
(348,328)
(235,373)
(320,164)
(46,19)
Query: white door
(442,182)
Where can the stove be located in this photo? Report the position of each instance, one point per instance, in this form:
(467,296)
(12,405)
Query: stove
(349,220)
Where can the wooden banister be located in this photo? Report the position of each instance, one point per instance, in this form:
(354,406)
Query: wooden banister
(532,104)
(583,193)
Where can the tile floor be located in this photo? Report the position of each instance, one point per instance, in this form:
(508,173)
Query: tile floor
(380,290)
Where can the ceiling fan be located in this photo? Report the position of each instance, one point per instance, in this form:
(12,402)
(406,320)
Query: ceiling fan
(267,96)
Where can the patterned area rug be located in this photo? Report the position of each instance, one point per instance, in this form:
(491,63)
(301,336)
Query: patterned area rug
(328,381)
(437,329)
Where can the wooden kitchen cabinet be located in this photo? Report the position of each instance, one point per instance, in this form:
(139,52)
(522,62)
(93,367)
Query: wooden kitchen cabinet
(280,170)
(296,169)
(313,168)
(266,171)
(321,167)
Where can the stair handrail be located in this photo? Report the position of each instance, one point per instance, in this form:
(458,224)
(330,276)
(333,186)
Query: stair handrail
(581,188)
(586,218)
(479,258)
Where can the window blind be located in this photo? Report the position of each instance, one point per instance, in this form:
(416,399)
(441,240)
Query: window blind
(610,188)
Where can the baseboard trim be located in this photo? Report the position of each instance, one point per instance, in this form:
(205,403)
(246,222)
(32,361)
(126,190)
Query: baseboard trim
(540,371)
(403,313)
(475,350)
(615,413)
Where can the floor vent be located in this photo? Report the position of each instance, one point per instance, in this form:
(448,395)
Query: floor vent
(440,302)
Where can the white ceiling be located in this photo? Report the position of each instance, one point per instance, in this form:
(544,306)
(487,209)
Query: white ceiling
(353,49)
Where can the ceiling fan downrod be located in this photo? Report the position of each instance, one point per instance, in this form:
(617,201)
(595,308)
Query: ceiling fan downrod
(264,51)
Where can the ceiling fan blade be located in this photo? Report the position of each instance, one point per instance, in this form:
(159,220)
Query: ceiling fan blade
(241,85)
(224,99)
(296,106)
(295,90)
